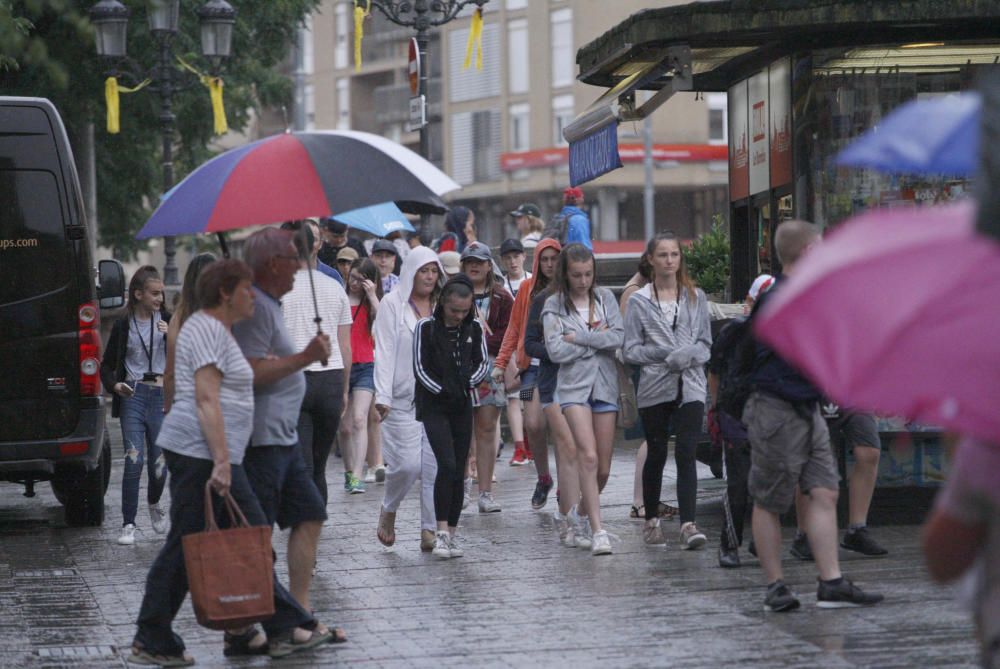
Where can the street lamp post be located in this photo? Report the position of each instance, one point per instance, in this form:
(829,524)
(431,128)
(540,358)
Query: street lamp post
(423,15)
(110,19)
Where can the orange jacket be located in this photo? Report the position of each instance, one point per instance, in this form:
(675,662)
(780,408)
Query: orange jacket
(514,337)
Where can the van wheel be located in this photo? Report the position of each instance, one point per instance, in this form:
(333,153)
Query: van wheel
(82,492)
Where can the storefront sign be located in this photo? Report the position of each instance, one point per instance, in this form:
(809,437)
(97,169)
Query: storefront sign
(781,122)
(760,174)
(594,155)
(739,146)
(629,153)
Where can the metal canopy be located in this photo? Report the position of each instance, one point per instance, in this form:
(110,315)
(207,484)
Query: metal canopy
(729,38)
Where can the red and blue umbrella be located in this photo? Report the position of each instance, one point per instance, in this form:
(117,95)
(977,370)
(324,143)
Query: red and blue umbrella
(298,175)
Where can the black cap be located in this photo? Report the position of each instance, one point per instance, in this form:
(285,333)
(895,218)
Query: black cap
(384,245)
(527,209)
(511,246)
(335,227)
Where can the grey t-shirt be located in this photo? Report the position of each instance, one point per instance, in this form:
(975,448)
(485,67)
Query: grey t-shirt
(204,341)
(147,348)
(276,405)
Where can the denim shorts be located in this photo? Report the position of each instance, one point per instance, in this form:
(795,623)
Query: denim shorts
(363,376)
(596,406)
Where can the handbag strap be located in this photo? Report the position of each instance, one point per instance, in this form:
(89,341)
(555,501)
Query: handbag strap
(236,517)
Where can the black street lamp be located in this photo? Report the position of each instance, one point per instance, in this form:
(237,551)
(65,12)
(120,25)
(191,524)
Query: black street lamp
(110,19)
(423,15)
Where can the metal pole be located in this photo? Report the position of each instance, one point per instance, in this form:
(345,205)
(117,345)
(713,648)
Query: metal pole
(422,24)
(167,124)
(649,215)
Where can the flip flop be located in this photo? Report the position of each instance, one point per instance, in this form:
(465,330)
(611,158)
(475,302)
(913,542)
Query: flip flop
(285,644)
(386,531)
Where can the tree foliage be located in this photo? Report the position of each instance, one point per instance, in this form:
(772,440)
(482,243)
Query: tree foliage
(48,48)
(708,258)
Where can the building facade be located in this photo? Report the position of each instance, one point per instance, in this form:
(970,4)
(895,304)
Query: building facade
(498,131)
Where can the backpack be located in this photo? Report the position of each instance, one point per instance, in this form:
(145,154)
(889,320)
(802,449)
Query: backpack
(557,228)
(737,348)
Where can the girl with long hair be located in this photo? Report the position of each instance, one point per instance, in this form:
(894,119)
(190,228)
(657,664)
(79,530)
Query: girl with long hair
(583,329)
(668,333)
(529,366)
(450,360)
(492,305)
(364,290)
(188,304)
(132,370)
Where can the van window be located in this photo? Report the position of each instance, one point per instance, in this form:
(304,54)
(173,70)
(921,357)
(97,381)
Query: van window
(34,259)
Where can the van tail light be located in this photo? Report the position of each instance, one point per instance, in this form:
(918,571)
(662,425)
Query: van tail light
(90,350)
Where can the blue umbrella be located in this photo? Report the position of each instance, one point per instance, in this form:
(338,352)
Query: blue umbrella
(379,220)
(933,136)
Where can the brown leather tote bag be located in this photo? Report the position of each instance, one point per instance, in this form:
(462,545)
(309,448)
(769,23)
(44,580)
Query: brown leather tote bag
(230,572)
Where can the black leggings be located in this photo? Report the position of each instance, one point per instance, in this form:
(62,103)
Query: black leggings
(659,422)
(450,435)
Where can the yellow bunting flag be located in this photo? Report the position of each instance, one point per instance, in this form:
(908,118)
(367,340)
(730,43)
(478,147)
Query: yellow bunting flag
(360,14)
(214,86)
(475,41)
(111,92)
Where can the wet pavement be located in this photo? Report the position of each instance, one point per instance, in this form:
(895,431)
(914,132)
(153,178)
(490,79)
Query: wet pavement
(69,597)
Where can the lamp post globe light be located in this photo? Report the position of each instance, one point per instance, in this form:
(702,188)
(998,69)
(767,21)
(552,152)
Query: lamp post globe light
(216,18)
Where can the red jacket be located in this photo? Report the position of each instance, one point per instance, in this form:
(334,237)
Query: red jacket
(498,317)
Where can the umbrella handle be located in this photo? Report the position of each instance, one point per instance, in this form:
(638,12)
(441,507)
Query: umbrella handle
(319,331)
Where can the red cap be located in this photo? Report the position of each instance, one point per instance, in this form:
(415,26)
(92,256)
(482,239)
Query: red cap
(572,194)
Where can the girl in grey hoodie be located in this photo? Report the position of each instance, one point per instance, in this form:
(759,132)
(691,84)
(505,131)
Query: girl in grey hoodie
(668,334)
(583,329)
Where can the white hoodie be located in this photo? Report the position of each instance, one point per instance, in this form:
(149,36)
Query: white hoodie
(393,330)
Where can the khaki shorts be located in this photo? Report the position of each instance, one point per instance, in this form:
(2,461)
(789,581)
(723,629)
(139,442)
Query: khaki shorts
(857,429)
(786,452)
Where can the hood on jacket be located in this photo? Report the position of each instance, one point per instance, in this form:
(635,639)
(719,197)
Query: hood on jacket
(414,260)
(535,260)
(439,308)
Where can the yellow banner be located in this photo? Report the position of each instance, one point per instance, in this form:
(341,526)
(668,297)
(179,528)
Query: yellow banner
(475,42)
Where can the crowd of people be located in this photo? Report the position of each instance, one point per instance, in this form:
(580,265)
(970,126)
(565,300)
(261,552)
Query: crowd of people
(406,364)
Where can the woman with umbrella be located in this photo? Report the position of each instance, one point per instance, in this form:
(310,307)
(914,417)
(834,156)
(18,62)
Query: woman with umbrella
(405,446)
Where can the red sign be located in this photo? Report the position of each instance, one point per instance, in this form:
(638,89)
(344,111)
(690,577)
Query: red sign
(414,67)
(629,153)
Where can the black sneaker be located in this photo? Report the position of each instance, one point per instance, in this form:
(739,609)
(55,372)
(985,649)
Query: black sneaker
(843,595)
(541,495)
(729,558)
(800,548)
(780,598)
(861,541)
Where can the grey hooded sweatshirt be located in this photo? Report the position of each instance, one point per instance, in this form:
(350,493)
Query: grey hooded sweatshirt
(663,354)
(587,368)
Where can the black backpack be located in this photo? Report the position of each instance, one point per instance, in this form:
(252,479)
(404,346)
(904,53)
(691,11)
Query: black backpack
(737,347)
(557,228)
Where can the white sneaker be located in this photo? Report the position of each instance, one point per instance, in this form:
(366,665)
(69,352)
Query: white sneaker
(127,537)
(456,550)
(369,476)
(581,526)
(691,537)
(467,498)
(487,504)
(441,549)
(601,543)
(158,519)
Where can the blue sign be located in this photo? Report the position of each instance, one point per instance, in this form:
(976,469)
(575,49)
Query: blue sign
(594,155)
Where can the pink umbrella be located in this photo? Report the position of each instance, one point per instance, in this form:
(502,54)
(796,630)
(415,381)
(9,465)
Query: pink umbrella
(896,312)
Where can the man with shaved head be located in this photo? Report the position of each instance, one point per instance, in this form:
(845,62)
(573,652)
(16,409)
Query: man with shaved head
(790,448)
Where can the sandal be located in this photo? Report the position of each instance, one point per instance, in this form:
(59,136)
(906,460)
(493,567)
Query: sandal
(337,634)
(637,512)
(386,531)
(285,644)
(666,511)
(144,657)
(238,645)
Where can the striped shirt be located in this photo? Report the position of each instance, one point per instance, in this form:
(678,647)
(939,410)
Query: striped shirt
(205,341)
(299,313)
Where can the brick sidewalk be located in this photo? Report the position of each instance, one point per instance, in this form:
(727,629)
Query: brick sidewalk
(69,597)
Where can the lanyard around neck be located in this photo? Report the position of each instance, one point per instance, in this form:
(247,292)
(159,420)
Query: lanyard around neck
(677,311)
(152,325)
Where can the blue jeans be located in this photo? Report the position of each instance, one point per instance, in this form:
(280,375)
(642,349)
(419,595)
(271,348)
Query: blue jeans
(141,417)
(166,583)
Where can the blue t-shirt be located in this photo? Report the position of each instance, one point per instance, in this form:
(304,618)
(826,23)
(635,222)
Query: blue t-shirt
(276,405)
(329,271)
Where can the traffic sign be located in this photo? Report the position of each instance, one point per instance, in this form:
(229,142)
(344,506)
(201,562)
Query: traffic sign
(414,67)
(418,112)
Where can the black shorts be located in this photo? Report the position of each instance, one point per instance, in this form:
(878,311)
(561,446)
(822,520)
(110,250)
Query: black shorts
(285,489)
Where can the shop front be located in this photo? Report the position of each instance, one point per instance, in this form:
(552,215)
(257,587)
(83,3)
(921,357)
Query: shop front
(803,80)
